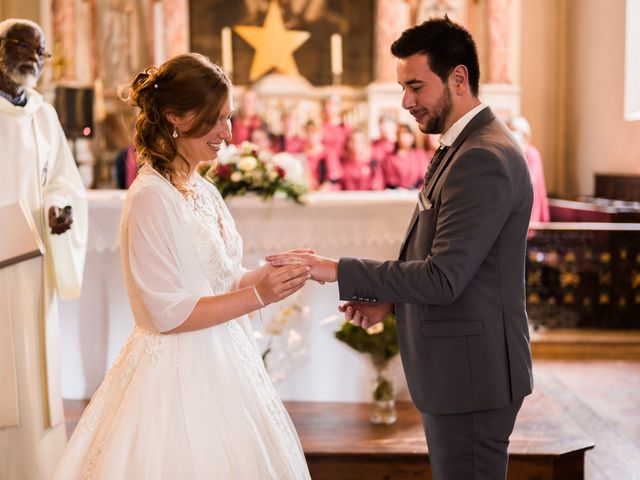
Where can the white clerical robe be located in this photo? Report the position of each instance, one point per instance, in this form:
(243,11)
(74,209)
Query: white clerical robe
(36,167)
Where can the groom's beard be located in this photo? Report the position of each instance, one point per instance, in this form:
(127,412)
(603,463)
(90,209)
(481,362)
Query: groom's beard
(436,121)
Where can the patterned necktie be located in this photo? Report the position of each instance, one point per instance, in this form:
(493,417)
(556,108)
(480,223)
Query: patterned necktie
(435,161)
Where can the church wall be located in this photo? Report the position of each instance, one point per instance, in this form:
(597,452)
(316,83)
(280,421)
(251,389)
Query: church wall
(540,75)
(572,78)
(598,137)
(20,9)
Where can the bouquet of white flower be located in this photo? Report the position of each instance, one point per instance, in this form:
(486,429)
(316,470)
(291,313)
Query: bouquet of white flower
(242,169)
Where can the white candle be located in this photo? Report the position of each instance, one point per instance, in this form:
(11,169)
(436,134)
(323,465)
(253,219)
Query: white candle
(227,50)
(336,54)
(158,33)
(99,107)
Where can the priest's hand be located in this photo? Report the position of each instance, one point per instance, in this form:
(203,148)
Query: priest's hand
(322,269)
(60,219)
(364,314)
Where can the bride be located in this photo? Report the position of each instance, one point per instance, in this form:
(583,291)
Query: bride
(188,396)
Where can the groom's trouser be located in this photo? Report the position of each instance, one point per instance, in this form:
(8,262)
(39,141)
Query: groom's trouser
(470,446)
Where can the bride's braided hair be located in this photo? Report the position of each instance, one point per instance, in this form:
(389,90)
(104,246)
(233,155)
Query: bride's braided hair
(187,83)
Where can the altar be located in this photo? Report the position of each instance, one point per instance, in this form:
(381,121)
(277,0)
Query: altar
(364,224)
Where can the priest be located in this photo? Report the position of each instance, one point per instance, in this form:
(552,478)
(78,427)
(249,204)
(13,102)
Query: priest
(38,170)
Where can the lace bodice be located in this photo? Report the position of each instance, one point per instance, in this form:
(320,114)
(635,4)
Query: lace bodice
(216,241)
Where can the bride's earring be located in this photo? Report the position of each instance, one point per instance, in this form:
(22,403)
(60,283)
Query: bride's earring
(175,132)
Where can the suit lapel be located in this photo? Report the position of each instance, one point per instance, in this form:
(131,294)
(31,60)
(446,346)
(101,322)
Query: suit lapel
(482,118)
(427,189)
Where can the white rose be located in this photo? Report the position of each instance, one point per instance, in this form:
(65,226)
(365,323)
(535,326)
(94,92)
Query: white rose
(247,147)
(264,155)
(227,154)
(292,166)
(236,177)
(246,164)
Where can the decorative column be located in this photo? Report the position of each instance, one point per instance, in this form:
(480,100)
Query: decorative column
(176,27)
(454,9)
(499,12)
(63,43)
(392,17)
(498,88)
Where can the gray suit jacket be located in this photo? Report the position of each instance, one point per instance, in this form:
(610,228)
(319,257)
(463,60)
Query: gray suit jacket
(459,283)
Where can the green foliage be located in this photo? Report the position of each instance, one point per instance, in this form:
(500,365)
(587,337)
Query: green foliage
(384,390)
(381,345)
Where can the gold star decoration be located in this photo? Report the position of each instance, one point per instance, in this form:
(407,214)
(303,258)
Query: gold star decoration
(273,43)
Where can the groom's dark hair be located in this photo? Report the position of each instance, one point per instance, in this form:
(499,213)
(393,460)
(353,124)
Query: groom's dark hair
(446,45)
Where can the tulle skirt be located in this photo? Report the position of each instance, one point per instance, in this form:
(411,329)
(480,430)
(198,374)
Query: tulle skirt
(196,405)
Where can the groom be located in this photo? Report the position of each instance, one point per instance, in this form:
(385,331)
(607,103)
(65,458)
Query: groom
(457,288)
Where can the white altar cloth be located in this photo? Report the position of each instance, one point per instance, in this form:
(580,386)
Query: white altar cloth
(364,224)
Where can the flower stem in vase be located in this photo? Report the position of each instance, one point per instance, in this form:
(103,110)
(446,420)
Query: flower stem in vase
(384,406)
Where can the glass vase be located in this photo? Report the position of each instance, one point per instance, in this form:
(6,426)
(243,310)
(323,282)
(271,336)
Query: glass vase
(384,406)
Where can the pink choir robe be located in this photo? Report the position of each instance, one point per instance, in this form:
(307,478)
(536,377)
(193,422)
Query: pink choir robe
(540,209)
(242,128)
(381,149)
(131,166)
(405,169)
(334,138)
(293,144)
(317,167)
(361,175)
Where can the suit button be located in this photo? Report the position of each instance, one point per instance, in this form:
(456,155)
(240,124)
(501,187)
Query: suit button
(354,297)
(367,299)
(374,300)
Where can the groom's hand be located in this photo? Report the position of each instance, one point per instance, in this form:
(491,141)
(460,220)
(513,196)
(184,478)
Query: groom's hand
(365,315)
(322,269)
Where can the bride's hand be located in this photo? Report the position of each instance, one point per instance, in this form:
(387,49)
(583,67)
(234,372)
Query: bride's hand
(322,269)
(279,283)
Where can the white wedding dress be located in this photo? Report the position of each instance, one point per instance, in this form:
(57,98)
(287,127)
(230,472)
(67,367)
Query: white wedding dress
(196,405)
